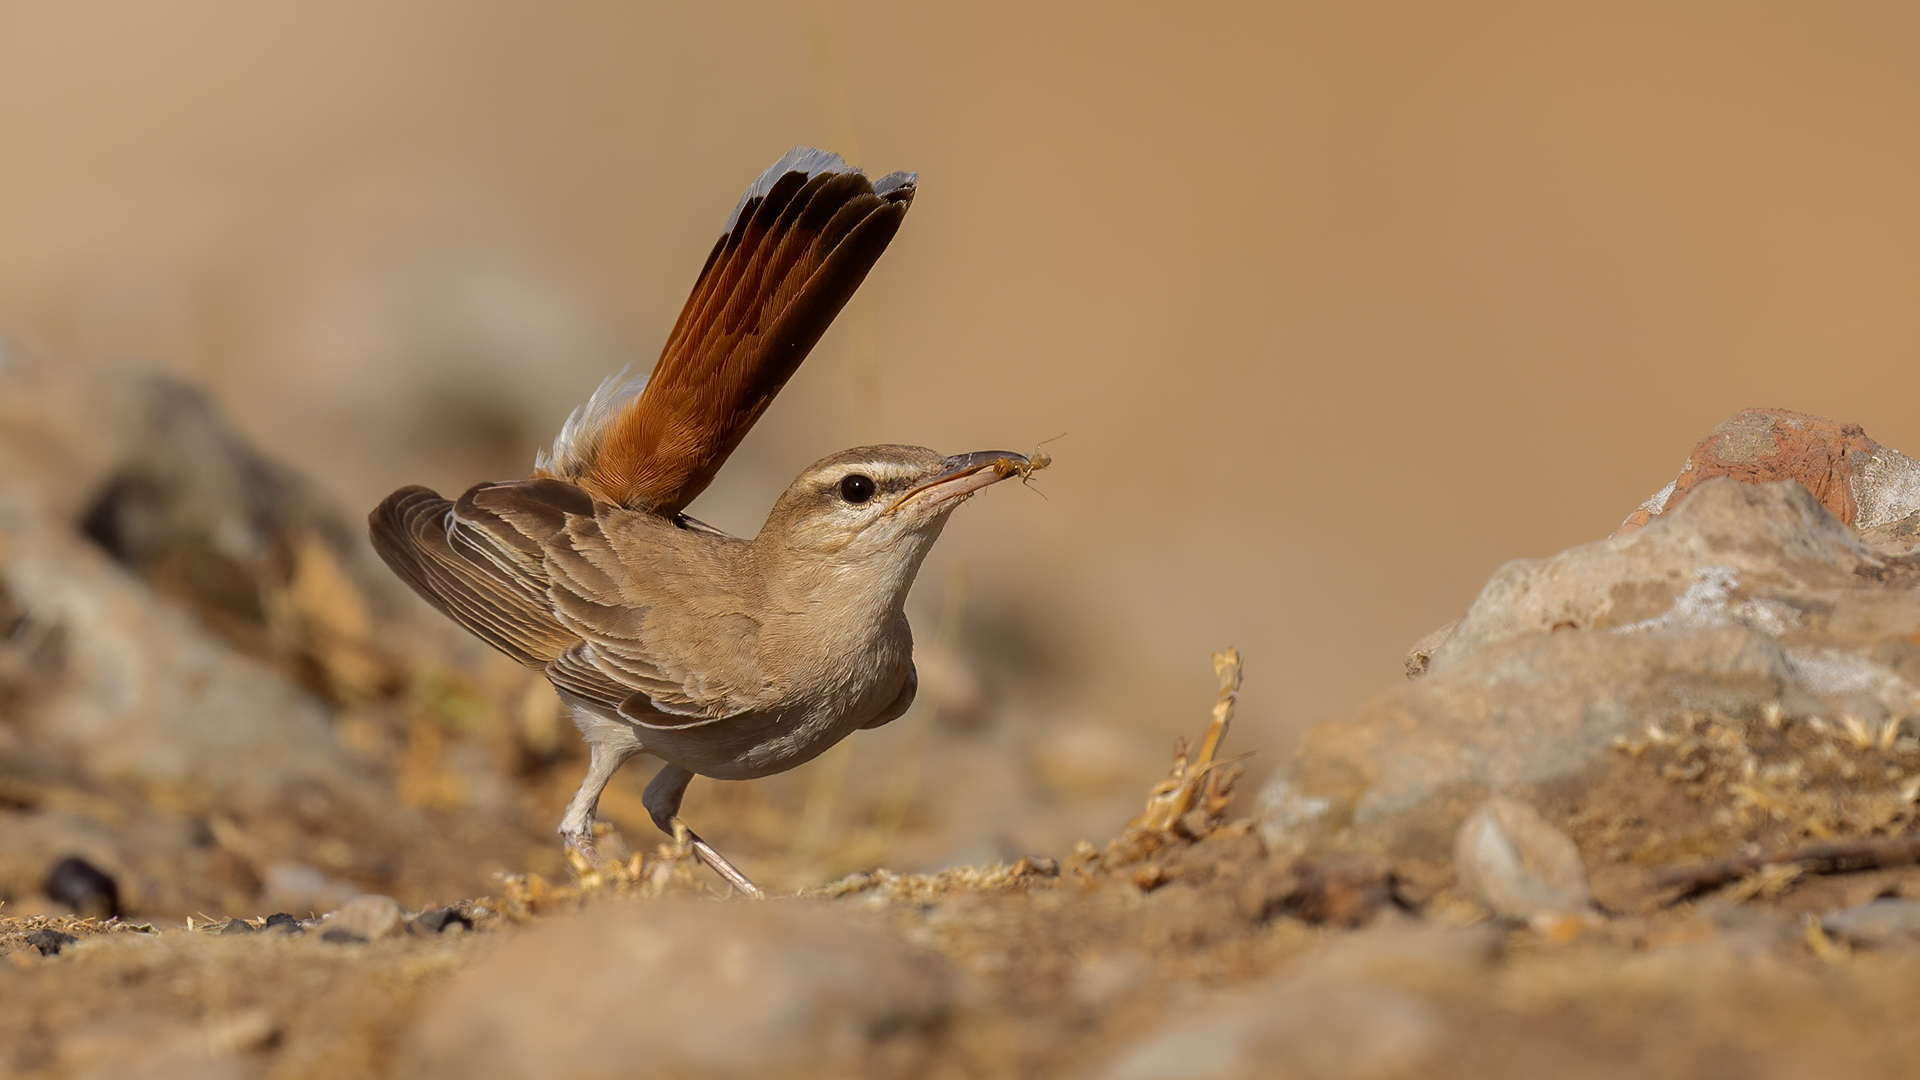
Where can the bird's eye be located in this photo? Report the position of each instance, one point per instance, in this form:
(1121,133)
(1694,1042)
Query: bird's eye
(856,488)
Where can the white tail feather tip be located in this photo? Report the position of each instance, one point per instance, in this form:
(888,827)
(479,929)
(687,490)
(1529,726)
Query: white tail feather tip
(588,426)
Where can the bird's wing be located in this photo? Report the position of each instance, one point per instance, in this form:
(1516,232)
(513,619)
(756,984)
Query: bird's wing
(480,559)
(666,635)
(799,243)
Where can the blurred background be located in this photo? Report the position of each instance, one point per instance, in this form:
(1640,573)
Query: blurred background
(1332,307)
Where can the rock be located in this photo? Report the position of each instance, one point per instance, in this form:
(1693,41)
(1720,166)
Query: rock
(1362,1009)
(145,688)
(1768,558)
(302,888)
(202,665)
(1877,924)
(84,887)
(1864,485)
(785,988)
(147,695)
(1514,862)
(440,920)
(366,918)
(157,860)
(1407,768)
(283,922)
(50,941)
(1744,602)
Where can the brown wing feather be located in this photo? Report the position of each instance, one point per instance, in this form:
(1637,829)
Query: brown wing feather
(526,567)
(645,633)
(575,673)
(791,259)
(480,560)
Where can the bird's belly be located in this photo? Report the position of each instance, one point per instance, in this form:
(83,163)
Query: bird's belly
(756,744)
(747,746)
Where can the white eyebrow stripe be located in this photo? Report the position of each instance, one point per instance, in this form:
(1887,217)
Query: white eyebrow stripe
(880,471)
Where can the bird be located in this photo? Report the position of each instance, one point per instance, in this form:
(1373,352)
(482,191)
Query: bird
(726,657)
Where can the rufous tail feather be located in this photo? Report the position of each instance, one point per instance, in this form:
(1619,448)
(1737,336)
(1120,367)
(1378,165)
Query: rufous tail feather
(800,241)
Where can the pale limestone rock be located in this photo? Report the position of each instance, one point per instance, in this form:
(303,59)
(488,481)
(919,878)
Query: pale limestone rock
(1513,861)
(370,916)
(783,988)
(1745,600)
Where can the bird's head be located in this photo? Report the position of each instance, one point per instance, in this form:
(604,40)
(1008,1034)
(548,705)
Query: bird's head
(879,507)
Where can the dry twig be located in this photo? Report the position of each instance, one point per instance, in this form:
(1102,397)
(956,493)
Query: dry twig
(1829,857)
(1192,801)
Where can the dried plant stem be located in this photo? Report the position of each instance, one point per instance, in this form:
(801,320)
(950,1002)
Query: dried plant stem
(1828,857)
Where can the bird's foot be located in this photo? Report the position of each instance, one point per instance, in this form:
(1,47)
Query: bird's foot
(596,864)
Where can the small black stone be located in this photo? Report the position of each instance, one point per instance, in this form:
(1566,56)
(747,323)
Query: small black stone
(439,919)
(338,936)
(50,942)
(84,887)
(281,918)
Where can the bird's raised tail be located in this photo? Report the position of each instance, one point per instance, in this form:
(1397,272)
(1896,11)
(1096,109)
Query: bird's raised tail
(797,246)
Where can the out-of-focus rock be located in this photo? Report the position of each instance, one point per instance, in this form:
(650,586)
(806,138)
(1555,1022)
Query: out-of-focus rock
(153,859)
(293,887)
(1514,862)
(689,989)
(440,921)
(141,466)
(1743,602)
(1882,923)
(367,918)
(1864,485)
(84,887)
(180,619)
(115,492)
(148,695)
(49,942)
(1360,1010)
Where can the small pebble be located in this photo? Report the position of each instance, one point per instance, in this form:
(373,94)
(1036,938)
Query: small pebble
(84,887)
(238,926)
(1881,923)
(1512,860)
(282,920)
(439,920)
(369,918)
(50,942)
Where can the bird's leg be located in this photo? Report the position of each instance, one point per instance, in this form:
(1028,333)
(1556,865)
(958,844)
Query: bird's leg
(662,800)
(576,827)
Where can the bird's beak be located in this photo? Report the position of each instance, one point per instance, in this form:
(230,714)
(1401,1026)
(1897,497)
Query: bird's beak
(965,474)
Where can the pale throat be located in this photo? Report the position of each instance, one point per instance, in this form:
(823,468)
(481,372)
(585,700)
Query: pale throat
(854,595)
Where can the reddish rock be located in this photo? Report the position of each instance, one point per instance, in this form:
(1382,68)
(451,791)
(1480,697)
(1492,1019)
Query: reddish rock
(1864,484)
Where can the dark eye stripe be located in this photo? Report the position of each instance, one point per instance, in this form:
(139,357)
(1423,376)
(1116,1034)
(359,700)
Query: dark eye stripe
(856,488)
